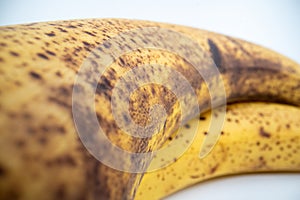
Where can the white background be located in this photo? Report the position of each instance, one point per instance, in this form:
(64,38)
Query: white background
(272,23)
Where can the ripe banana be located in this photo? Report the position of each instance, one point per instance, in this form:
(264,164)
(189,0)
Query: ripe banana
(256,137)
(41,155)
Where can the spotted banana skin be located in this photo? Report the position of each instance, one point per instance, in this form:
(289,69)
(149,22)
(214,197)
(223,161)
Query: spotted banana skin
(41,155)
(257,137)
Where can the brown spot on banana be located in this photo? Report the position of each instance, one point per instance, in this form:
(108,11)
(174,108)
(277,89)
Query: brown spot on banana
(41,55)
(263,133)
(35,75)
(215,54)
(53,52)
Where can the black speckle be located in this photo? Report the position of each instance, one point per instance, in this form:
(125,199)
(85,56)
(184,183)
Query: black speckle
(20,143)
(64,91)
(31,130)
(261,158)
(42,56)
(74,39)
(30,42)
(43,140)
(26,115)
(50,53)
(16,41)
(104,86)
(63,160)
(60,193)
(14,54)
(153,91)
(69,160)
(2,171)
(45,128)
(58,73)
(126,118)
(187,126)
(62,30)
(202,118)
(12,115)
(51,34)
(195,176)
(8,36)
(86,43)
(61,129)
(107,45)
(24,64)
(35,75)
(71,26)
(59,102)
(263,133)
(145,41)
(30,24)
(122,61)
(213,169)
(132,40)
(89,33)
(100,49)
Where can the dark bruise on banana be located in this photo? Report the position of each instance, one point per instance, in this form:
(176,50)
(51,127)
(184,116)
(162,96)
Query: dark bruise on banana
(41,155)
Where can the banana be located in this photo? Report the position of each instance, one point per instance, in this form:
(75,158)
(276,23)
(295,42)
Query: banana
(41,154)
(256,137)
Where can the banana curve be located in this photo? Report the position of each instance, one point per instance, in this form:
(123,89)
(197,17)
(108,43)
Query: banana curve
(39,63)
